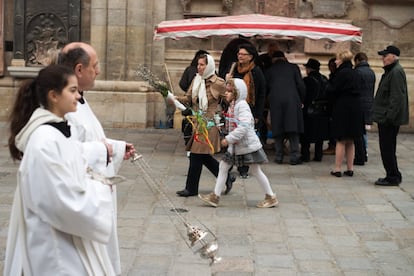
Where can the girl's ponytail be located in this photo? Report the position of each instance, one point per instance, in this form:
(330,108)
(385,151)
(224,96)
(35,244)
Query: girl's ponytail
(25,104)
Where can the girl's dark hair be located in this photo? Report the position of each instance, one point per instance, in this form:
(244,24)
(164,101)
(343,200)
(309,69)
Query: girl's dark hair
(197,56)
(33,94)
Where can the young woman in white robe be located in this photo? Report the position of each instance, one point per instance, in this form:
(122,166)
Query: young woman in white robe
(62,213)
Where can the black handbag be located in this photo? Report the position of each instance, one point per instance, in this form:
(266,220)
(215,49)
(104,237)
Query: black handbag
(319,108)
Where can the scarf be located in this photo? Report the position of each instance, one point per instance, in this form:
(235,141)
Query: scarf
(248,79)
(199,85)
(230,123)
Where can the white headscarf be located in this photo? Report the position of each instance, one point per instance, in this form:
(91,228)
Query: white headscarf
(199,85)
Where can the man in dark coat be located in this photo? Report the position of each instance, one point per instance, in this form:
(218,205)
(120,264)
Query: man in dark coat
(366,86)
(390,111)
(286,92)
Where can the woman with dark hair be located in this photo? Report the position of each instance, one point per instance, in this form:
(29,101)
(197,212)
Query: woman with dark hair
(189,73)
(62,212)
(204,95)
(247,69)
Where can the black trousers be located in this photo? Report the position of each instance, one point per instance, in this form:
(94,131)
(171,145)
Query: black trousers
(195,168)
(294,153)
(305,150)
(388,146)
(360,150)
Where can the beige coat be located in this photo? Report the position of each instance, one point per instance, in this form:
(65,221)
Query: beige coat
(215,89)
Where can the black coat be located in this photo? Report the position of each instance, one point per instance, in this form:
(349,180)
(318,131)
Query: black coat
(286,93)
(366,86)
(316,128)
(187,77)
(347,118)
(260,90)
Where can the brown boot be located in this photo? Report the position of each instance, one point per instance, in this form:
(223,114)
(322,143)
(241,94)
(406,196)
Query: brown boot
(211,199)
(329,151)
(268,202)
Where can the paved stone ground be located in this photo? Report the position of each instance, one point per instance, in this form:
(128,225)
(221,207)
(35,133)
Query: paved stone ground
(323,226)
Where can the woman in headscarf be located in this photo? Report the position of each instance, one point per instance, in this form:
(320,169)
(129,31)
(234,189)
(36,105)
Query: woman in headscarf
(186,79)
(204,96)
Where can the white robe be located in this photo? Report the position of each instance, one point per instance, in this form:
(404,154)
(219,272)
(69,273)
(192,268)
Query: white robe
(85,127)
(60,217)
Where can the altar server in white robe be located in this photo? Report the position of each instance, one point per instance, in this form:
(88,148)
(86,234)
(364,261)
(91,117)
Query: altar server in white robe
(86,127)
(62,211)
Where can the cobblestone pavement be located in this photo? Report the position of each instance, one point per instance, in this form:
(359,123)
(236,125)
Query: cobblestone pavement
(323,226)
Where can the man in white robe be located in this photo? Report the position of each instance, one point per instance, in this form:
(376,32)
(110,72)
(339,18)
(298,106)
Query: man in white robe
(86,127)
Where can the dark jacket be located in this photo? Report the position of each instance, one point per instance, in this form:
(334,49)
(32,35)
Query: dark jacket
(391,99)
(316,128)
(187,77)
(286,93)
(347,118)
(260,91)
(366,86)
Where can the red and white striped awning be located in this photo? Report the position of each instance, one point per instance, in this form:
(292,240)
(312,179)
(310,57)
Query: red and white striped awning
(257,25)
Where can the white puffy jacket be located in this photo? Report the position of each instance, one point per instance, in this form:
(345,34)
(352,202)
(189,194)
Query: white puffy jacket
(242,138)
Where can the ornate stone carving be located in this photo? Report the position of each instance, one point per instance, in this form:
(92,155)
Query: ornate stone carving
(325,47)
(186,5)
(331,8)
(42,26)
(226,4)
(45,32)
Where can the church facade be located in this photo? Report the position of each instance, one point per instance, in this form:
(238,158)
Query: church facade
(122,33)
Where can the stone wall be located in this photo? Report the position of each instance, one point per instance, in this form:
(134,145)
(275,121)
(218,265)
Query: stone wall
(122,32)
(131,104)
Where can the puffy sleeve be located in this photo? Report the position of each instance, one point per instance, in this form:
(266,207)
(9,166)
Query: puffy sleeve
(56,187)
(244,121)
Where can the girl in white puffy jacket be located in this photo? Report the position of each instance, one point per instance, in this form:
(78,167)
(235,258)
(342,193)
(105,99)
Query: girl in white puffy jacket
(244,147)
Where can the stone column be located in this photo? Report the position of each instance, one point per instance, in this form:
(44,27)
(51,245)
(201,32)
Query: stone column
(122,33)
(156,48)
(99,20)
